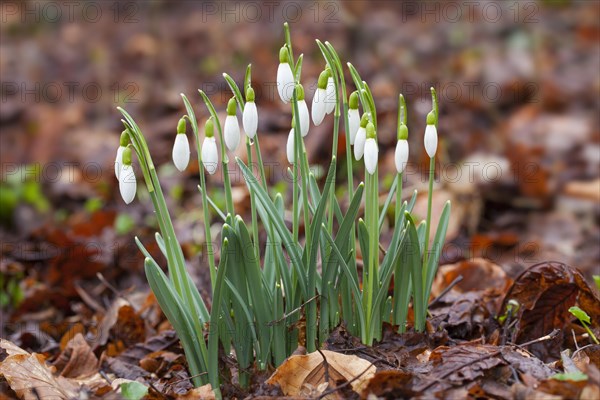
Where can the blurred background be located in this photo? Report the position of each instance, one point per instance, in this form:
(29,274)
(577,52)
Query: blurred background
(519,156)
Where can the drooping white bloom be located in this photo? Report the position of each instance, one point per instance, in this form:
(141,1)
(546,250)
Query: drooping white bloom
(430,140)
(285,77)
(181,151)
(127,183)
(353,117)
(371,155)
(250,119)
(118,160)
(231,130)
(353,124)
(318,106)
(290,148)
(210,156)
(401,155)
(304,117)
(359,143)
(361,137)
(330,102)
(123,142)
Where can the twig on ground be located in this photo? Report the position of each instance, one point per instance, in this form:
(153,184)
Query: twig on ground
(446,290)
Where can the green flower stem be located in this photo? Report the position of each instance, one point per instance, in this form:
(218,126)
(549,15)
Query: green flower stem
(301,163)
(347,303)
(428,220)
(224,159)
(176,262)
(205,209)
(429,197)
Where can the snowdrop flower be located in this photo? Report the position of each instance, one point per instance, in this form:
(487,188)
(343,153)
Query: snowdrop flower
(285,77)
(401,154)
(209,154)
(353,117)
(303,116)
(127,182)
(123,142)
(250,115)
(430,139)
(290,148)
(181,148)
(330,99)
(319,107)
(232,128)
(371,149)
(361,137)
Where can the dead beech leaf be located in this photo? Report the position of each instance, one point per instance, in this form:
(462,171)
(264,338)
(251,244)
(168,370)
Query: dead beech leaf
(459,365)
(298,373)
(203,392)
(30,378)
(545,292)
(477,274)
(77,360)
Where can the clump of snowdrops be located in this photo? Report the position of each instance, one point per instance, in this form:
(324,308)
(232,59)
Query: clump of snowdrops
(267,296)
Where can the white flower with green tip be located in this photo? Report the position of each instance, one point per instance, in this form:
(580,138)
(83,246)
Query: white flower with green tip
(231,130)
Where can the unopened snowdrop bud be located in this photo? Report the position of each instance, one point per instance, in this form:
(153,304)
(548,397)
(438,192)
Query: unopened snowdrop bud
(318,104)
(353,116)
(303,116)
(123,142)
(232,128)
(371,149)
(181,148)
(250,115)
(361,138)
(330,102)
(401,154)
(210,156)
(127,182)
(431,139)
(285,77)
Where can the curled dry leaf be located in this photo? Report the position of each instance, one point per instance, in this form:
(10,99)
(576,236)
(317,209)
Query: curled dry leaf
(545,292)
(299,373)
(478,274)
(77,360)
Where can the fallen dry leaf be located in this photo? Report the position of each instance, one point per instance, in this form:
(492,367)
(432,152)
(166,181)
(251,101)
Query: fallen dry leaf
(77,360)
(477,274)
(203,392)
(30,378)
(545,292)
(298,373)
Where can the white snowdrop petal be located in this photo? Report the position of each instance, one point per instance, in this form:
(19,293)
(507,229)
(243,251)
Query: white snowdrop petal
(304,117)
(431,140)
(181,152)
(250,119)
(318,106)
(353,124)
(401,155)
(119,160)
(231,132)
(210,156)
(285,82)
(330,98)
(290,148)
(371,155)
(127,183)
(359,143)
